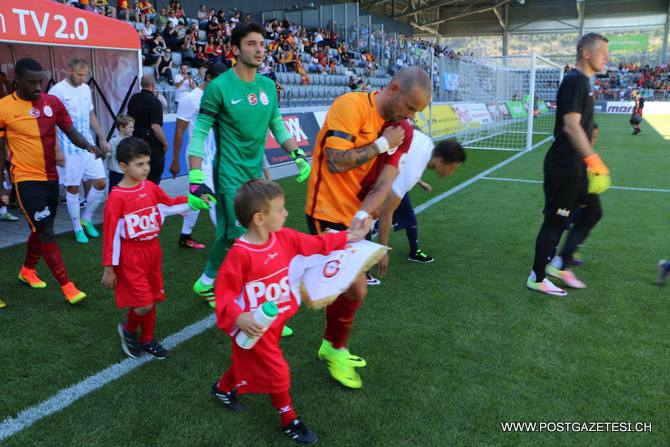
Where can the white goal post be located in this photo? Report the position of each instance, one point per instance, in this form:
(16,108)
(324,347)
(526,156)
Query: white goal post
(496,103)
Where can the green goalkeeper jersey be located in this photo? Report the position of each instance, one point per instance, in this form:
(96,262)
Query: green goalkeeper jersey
(241,113)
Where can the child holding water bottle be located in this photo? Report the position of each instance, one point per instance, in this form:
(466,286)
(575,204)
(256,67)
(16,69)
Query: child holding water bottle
(255,272)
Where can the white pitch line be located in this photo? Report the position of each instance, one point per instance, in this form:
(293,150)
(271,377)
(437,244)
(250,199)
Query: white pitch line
(468,182)
(620,188)
(68,396)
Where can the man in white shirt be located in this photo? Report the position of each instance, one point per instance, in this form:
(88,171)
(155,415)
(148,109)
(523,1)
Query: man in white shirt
(183,82)
(80,164)
(187,115)
(397,210)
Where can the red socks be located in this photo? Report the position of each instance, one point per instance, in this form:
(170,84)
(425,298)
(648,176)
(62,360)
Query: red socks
(339,320)
(227,382)
(282,403)
(147,322)
(54,260)
(51,253)
(33,251)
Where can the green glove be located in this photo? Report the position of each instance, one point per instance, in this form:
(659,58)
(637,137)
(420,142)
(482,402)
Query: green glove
(197,188)
(304,168)
(599,183)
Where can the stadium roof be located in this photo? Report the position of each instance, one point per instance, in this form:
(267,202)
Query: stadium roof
(486,17)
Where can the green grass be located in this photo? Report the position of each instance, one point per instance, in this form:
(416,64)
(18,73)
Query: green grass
(454,348)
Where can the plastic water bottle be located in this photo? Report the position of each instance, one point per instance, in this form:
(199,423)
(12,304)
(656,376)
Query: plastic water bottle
(263,315)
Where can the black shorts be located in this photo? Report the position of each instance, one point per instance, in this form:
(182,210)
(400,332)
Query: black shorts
(635,120)
(39,202)
(562,194)
(317,226)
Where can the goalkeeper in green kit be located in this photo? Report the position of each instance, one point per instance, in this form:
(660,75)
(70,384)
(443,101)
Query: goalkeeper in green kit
(240,106)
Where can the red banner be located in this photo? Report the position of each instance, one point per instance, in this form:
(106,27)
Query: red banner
(45,22)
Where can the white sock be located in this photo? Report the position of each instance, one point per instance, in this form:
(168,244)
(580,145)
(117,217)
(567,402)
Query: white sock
(557,262)
(93,199)
(206,280)
(189,222)
(212,215)
(72,201)
(3,210)
(532,276)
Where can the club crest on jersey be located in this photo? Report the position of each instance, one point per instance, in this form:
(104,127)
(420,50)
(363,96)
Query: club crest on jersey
(252,99)
(47,111)
(34,112)
(142,222)
(264,99)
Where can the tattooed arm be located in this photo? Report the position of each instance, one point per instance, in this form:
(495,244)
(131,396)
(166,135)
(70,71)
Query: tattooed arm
(345,160)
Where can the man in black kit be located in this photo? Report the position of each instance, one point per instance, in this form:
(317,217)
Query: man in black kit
(574,174)
(636,117)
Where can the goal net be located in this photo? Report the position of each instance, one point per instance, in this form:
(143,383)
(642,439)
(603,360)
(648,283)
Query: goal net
(498,103)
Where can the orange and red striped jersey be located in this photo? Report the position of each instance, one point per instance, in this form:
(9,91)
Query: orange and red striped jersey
(353,121)
(29,129)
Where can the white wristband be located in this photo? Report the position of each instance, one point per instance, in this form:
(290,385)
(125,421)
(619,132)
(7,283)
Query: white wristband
(382,144)
(361,214)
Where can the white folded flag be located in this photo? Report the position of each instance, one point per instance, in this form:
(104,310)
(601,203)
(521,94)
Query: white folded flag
(320,279)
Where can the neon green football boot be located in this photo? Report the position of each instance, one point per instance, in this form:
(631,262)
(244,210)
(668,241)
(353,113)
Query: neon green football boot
(340,365)
(205,291)
(326,348)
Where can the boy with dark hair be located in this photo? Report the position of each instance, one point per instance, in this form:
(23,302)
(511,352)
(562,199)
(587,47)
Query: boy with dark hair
(125,125)
(397,210)
(132,255)
(255,271)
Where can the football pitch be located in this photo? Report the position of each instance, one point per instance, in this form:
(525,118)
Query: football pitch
(454,348)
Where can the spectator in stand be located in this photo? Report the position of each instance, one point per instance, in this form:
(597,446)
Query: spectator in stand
(172,19)
(170,36)
(123,10)
(161,20)
(213,50)
(183,82)
(156,49)
(164,67)
(213,26)
(188,48)
(200,55)
(147,31)
(229,55)
(146,10)
(178,11)
(200,77)
(202,15)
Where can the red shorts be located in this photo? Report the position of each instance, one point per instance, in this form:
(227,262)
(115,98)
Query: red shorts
(139,275)
(262,369)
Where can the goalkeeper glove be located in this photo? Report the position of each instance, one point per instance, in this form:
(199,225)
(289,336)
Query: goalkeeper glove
(197,188)
(599,175)
(304,168)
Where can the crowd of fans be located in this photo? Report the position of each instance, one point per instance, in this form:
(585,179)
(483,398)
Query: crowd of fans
(652,82)
(205,39)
